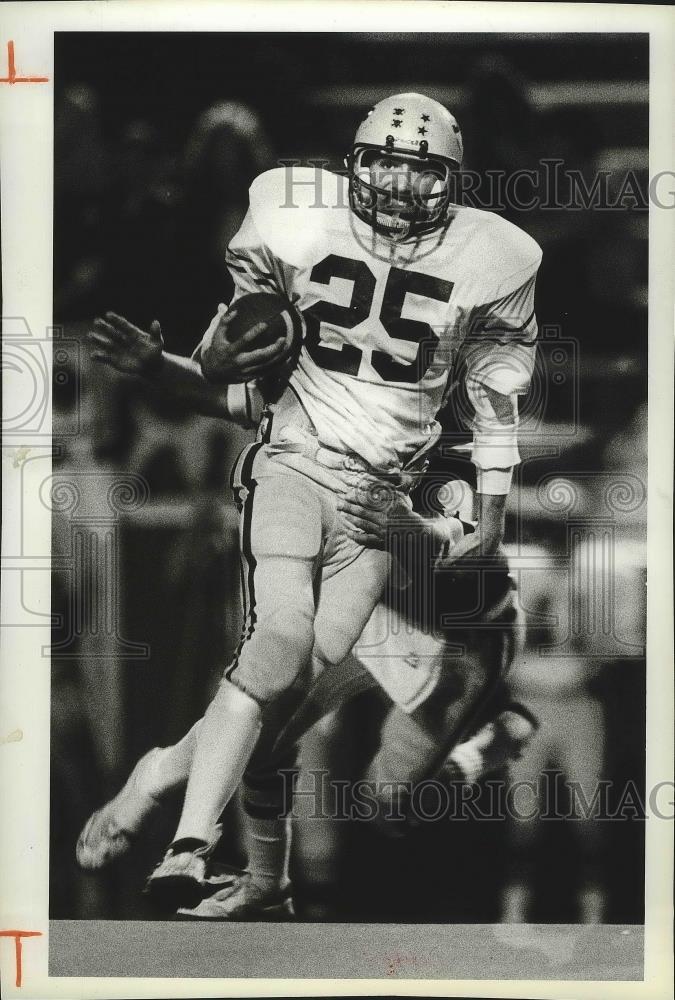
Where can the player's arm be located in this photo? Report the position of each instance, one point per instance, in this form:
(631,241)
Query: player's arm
(374,521)
(494,455)
(489,533)
(499,364)
(133,351)
(253,270)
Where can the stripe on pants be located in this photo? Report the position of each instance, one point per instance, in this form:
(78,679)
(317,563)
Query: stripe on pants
(243,482)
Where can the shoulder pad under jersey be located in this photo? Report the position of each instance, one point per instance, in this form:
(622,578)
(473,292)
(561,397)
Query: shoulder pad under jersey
(505,254)
(293,208)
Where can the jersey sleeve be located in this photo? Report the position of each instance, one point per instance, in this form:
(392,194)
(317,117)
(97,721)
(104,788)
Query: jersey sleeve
(500,357)
(495,437)
(253,269)
(251,263)
(500,347)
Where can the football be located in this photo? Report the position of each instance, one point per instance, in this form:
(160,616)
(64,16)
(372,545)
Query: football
(225,359)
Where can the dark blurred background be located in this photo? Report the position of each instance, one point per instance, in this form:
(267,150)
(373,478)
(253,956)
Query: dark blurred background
(157,137)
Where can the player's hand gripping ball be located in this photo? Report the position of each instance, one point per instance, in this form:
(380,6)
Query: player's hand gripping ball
(258,336)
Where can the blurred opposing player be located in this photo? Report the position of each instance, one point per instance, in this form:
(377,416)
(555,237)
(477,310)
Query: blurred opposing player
(391,279)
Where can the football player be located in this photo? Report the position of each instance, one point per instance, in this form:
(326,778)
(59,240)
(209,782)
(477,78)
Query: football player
(392,279)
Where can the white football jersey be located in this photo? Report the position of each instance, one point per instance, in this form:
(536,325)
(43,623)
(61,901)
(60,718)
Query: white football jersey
(384,320)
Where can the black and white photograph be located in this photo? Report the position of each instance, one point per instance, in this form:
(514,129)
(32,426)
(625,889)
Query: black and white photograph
(343,455)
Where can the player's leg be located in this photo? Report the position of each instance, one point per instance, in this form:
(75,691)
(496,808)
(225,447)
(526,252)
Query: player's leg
(445,738)
(110,832)
(352,587)
(281,540)
(494,746)
(414,744)
(524,825)
(263,890)
(500,729)
(268,791)
(350,590)
(582,751)
(329,758)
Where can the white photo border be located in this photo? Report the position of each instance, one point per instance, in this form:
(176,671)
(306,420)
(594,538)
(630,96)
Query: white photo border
(26,176)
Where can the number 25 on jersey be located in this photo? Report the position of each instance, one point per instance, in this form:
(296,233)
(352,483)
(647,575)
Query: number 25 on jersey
(347,359)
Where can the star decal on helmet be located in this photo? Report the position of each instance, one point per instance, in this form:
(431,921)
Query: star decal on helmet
(407,127)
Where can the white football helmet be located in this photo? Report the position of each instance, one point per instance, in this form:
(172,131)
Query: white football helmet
(406,128)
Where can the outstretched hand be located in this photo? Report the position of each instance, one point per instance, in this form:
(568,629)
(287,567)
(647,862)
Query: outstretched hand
(118,343)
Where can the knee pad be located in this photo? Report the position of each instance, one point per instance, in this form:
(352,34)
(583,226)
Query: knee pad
(273,657)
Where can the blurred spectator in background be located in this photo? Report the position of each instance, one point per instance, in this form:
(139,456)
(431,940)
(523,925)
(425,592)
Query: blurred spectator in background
(570,741)
(500,118)
(81,188)
(594,271)
(141,227)
(141,231)
(227,148)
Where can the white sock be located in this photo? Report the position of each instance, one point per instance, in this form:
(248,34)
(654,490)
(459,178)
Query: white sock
(226,739)
(169,767)
(591,904)
(495,743)
(516,903)
(469,758)
(268,844)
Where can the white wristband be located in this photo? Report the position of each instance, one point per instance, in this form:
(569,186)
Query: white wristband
(494,482)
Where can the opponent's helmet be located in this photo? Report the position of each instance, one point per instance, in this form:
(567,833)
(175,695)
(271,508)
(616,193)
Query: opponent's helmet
(404,127)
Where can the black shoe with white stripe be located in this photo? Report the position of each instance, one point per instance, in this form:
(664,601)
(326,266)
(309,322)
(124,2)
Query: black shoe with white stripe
(178,879)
